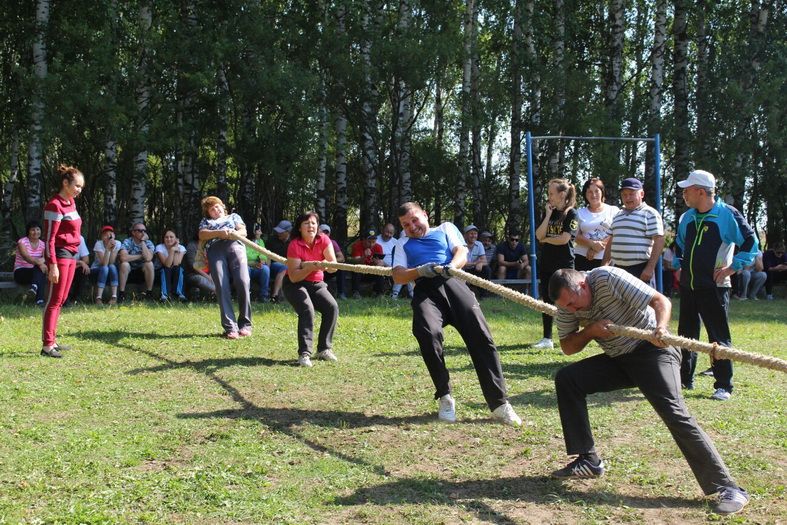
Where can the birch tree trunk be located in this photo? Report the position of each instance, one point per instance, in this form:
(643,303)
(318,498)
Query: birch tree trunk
(475,133)
(369,130)
(7,231)
(681,97)
(221,138)
(34,181)
(110,183)
(139,179)
(655,95)
(515,158)
(703,152)
(460,195)
(557,156)
(340,216)
(322,163)
(609,158)
(403,123)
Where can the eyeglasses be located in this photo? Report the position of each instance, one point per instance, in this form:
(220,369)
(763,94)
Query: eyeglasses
(513,239)
(142,230)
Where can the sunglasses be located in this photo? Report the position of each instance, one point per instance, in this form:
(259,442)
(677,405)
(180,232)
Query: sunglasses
(513,239)
(139,230)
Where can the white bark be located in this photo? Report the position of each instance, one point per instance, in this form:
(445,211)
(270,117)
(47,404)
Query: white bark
(322,164)
(515,161)
(34,181)
(110,182)
(341,178)
(559,49)
(403,122)
(656,81)
(139,180)
(221,139)
(475,133)
(460,195)
(369,125)
(680,93)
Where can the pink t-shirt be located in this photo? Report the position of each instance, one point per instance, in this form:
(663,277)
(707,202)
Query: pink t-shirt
(35,253)
(298,249)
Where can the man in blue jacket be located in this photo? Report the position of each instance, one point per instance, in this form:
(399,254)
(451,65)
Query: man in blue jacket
(707,235)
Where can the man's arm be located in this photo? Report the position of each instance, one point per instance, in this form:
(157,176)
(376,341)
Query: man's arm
(402,275)
(663,308)
(576,342)
(650,267)
(607,253)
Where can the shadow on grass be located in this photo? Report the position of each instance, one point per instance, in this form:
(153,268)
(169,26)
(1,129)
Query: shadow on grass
(533,489)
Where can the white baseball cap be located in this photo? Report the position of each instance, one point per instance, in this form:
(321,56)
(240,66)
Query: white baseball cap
(699,178)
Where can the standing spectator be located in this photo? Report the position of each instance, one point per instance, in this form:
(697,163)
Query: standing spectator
(338,274)
(556,234)
(587,305)
(476,254)
(29,264)
(62,225)
(668,271)
(775,264)
(440,300)
(169,263)
(82,270)
(106,250)
(136,262)
(227,257)
(751,279)
(637,238)
(278,245)
(366,251)
(196,264)
(707,235)
(490,250)
(512,261)
(594,226)
(306,290)
(259,271)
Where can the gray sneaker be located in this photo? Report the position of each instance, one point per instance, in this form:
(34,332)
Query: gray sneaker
(506,415)
(721,395)
(305,360)
(327,355)
(447,410)
(731,500)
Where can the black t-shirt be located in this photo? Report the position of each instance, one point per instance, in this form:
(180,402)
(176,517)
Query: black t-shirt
(555,257)
(276,246)
(511,254)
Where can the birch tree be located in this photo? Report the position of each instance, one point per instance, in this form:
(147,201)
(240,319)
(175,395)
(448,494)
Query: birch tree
(680,93)
(655,94)
(34,180)
(515,155)
(460,194)
(139,179)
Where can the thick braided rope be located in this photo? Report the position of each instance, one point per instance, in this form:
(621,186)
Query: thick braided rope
(716,351)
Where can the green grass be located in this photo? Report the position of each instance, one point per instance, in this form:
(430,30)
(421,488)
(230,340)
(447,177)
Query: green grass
(153,418)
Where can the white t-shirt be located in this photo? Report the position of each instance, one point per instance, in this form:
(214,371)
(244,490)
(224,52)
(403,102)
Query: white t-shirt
(162,249)
(595,226)
(388,249)
(99,250)
(82,251)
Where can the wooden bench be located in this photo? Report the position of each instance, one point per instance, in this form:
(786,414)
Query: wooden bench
(7,283)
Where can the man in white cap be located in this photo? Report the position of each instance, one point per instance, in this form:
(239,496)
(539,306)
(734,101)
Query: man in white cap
(707,234)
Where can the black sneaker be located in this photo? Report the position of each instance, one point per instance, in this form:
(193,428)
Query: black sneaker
(147,295)
(62,348)
(51,352)
(121,297)
(580,468)
(708,372)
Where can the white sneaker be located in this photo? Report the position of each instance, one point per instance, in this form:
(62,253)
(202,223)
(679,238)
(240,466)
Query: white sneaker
(544,344)
(731,500)
(769,297)
(721,395)
(304,360)
(447,410)
(327,355)
(506,415)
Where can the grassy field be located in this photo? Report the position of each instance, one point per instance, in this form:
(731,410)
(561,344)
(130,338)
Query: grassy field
(153,418)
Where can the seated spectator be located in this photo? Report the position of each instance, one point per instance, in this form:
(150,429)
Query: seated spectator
(169,259)
(775,265)
(338,275)
(512,261)
(195,263)
(136,262)
(278,244)
(106,250)
(476,254)
(29,265)
(82,270)
(751,279)
(490,250)
(366,251)
(259,271)
(388,243)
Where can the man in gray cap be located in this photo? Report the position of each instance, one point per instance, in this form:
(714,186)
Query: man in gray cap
(278,244)
(476,254)
(708,234)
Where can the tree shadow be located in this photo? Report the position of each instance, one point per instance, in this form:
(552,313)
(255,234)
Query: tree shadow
(532,489)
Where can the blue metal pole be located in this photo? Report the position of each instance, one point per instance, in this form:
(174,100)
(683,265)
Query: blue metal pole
(657,171)
(531,206)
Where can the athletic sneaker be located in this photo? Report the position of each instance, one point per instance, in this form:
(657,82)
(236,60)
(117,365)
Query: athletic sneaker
(52,352)
(580,468)
(327,355)
(31,293)
(305,360)
(506,415)
(721,395)
(245,331)
(731,500)
(544,344)
(231,335)
(447,410)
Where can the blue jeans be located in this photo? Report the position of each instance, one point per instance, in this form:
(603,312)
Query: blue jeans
(102,272)
(172,281)
(262,276)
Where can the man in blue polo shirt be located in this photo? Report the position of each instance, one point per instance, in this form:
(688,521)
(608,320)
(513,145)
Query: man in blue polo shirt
(440,300)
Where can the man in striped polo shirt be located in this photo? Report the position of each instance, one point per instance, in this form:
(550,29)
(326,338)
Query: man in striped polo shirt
(637,238)
(607,296)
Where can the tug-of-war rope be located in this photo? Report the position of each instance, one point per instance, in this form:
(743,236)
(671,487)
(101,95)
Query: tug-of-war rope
(715,350)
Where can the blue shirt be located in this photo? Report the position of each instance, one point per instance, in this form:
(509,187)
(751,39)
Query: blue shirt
(437,247)
(133,248)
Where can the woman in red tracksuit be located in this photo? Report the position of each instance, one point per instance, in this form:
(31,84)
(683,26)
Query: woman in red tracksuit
(62,226)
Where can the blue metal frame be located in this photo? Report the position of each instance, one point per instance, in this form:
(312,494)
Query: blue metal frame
(531,203)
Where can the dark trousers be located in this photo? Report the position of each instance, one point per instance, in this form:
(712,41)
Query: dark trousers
(655,371)
(32,276)
(306,297)
(378,280)
(438,302)
(711,304)
(543,293)
(774,276)
(484,273)
(582,264)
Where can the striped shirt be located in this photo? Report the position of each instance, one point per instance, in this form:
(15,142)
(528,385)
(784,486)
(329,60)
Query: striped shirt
(619,297)
(632,235)
(61,228)
(33,253)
